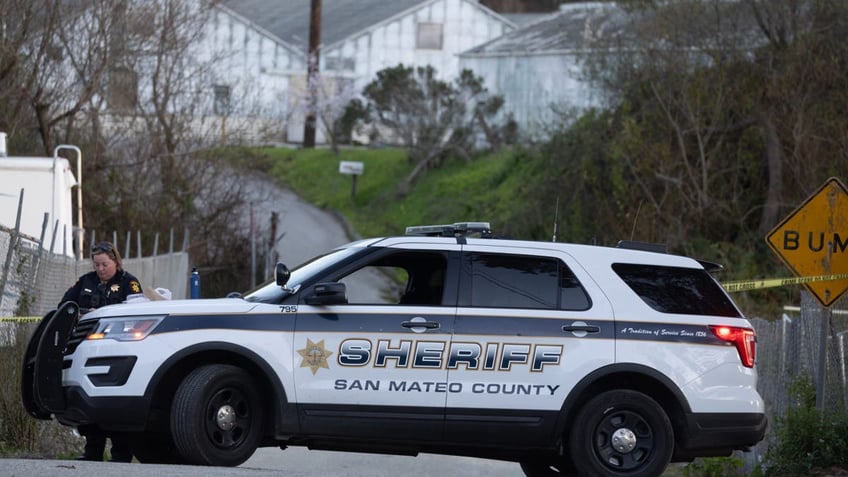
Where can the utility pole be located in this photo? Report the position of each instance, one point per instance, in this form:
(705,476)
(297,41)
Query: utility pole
(311,73)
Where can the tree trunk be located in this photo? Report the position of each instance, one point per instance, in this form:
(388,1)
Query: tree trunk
(774,164)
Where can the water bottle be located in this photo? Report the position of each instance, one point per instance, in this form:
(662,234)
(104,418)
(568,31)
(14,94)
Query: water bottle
(194,284)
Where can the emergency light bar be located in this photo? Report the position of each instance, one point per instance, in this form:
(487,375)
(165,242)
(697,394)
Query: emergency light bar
(458,229)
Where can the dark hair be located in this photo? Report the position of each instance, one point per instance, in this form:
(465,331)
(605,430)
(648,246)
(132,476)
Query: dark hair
(110,250)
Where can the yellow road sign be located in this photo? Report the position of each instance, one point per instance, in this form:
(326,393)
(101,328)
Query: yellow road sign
(813,240)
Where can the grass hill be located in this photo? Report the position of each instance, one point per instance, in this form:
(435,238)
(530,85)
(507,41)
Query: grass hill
(478,190)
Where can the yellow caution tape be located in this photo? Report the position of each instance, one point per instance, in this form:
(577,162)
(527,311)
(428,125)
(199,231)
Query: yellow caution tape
(20,319)
(746,285)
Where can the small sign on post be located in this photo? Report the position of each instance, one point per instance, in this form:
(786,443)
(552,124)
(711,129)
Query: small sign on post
(354,169)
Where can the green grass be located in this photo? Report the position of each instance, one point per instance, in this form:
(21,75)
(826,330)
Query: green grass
(458,191)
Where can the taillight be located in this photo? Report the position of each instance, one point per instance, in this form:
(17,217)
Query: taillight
(744,339)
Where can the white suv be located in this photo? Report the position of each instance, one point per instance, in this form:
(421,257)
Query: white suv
(566,358)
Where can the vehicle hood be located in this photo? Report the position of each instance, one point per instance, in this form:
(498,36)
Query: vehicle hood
(173,307)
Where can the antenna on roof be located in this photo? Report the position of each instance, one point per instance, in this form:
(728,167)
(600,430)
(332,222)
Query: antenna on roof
(556,218)
(635,220)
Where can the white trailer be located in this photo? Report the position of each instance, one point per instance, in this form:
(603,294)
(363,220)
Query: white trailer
(47,184)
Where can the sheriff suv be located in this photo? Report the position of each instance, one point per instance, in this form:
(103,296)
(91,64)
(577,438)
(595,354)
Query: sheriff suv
(569,359)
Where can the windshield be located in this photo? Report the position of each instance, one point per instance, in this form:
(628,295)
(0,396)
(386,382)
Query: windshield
(272,293)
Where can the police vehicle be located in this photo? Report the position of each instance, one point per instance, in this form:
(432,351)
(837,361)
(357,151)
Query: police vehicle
(569,359)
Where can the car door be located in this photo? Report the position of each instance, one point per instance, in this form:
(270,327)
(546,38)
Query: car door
(373,365)
(530,324)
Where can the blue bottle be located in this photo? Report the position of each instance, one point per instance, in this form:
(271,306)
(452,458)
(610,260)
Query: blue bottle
(194,284)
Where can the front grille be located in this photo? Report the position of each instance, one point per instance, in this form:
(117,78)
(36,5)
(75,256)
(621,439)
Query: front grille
(79,333)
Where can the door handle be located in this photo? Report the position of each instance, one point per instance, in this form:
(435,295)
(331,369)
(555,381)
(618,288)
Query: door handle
(430,325)
(583,328)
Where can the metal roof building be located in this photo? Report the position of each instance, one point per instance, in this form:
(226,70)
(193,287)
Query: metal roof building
(537,67)
(358,39)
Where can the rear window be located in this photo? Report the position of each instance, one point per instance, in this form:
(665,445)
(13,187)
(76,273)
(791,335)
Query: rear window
(687,291)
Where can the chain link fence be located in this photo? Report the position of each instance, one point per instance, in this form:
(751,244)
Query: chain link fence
(33,279)
(790,349)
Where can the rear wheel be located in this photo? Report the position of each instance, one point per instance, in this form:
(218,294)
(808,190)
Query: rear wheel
(216,417)
(623,433)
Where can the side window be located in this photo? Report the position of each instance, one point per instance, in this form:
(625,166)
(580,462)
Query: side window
(374,285)
(572,295)
(429,36)
(688,291)
(520,281)
(401,278)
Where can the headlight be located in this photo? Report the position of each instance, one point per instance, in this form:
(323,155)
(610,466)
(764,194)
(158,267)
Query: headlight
(125,329)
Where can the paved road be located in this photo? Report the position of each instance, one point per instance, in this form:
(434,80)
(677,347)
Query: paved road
(306,230)
(294,462)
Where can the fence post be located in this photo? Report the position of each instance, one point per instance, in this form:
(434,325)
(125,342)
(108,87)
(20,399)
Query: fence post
(13,244)
(841,337)
(821,382)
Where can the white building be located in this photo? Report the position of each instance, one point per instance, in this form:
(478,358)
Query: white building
(358,39)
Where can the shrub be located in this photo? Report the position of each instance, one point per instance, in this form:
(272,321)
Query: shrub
(807,438)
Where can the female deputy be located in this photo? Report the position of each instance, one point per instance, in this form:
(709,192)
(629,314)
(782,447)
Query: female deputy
(108,284)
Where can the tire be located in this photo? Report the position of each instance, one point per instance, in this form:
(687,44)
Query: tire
(644,432)
(154,448)
(216,416)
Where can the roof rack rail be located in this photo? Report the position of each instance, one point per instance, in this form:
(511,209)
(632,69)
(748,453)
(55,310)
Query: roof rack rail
(644,246)
(458,229)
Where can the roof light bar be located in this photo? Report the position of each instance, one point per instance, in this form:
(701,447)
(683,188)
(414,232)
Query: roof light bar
(458,229)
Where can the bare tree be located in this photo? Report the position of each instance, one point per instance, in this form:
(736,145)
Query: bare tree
(700,80)
(54,60)
(161,133)
(130,81)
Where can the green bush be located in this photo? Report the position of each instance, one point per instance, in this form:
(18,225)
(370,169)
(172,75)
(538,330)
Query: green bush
(807,438)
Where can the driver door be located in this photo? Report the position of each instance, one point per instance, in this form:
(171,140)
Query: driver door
(373,365)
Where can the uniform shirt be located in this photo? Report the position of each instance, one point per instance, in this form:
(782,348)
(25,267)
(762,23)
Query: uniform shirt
(88,292)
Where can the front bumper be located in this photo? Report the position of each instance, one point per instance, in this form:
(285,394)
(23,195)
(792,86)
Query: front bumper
(111,413)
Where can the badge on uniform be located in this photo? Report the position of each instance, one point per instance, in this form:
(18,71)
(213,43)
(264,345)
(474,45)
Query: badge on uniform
(136,288)
(115,287)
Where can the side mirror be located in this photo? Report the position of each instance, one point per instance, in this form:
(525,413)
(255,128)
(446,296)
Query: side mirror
(281,274)
(330,293)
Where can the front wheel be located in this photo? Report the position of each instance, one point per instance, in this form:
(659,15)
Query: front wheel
(621,433)
(216,417)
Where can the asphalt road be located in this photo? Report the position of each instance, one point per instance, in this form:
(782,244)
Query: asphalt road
(303,230)
(293,462)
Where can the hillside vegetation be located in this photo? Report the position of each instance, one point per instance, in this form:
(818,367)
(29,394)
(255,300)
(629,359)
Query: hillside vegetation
(459,191)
